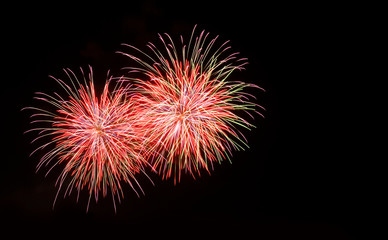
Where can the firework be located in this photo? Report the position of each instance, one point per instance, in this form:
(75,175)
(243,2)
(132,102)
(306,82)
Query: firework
(188,105)
(92,137)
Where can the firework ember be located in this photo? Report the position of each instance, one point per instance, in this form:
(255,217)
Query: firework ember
(91,137)
(188,106)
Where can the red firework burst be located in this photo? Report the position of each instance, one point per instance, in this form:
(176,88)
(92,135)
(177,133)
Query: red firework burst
(188,106)
(92,137)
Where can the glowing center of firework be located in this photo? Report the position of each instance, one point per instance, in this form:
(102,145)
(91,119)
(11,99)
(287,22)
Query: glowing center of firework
(181,114)
(99,130)
(182,111)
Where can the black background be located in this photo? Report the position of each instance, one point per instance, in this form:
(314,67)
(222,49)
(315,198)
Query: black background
(296,180)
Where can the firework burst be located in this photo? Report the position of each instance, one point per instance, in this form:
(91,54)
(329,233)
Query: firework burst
(189,106)
(92,137)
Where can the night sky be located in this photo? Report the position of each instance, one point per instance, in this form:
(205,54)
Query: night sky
(295,181)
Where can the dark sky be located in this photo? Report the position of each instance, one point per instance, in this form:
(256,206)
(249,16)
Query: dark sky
(296,180)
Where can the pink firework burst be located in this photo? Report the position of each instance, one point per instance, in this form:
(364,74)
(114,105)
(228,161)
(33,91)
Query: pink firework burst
(92,137)
(189,106)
